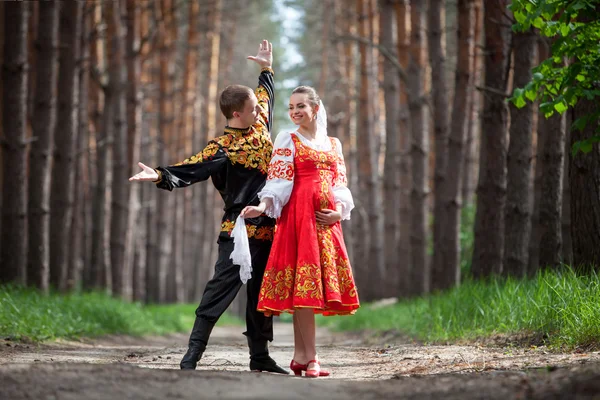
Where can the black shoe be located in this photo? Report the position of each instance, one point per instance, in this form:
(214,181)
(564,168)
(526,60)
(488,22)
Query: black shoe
(260,359)
(197,343)
(266,364)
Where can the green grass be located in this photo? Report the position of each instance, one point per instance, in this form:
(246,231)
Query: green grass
(28,314)
(561,306)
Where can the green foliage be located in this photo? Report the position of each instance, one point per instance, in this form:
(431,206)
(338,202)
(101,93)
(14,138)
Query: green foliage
(26,313)
(575,29)
(559,305)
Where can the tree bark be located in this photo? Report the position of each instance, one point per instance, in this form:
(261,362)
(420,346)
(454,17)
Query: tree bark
(134,131)
(40,162)
(518,203)
(101,210)
(491,188)
(121,272)
(367,169)
(404,245)
(443,275)
(76,239)
(420,271)
(471,167)
(391,180)
(534,242)
(63,174)
(13,248)
(567,247)
(449,246)
(584,173)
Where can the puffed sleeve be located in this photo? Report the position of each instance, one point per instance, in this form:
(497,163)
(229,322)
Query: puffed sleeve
(197,168)
(280,180)
(341,193)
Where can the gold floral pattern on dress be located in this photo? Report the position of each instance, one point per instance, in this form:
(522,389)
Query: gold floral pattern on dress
(278,286)
(308,282)
(327,255)
(281,169)
(254,231)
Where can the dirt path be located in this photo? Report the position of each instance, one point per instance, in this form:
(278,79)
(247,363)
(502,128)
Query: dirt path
(362,367)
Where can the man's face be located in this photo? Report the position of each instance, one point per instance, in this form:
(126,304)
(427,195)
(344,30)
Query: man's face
(249,114)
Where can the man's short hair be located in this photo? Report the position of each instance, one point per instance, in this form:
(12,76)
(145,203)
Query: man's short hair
(233,98)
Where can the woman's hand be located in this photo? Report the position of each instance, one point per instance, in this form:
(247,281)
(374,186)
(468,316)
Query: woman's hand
(147,174)
(253,211)
(328,217)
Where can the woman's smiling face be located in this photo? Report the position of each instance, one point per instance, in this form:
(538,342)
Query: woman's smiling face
(300,109)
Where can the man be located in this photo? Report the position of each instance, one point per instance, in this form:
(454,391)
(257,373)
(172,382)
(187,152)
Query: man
(238,164)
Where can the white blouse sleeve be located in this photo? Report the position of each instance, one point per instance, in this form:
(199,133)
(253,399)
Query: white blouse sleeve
(280,180)
(341,193)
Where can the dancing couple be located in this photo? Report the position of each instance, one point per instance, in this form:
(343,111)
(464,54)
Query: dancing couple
(298,184)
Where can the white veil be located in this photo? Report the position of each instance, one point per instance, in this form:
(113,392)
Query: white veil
(321,121)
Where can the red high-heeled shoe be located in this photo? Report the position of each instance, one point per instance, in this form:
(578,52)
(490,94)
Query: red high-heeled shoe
(314,372)
(297,368)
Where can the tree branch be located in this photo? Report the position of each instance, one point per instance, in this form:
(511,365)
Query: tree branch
(384,51)
(492,90)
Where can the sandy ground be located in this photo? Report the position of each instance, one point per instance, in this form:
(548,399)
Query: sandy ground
(362,366)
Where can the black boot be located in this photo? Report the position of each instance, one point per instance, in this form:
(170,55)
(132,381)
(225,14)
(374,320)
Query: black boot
(260,359)
(197,343)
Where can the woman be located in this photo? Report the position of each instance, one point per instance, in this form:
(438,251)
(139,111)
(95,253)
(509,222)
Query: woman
(308,271)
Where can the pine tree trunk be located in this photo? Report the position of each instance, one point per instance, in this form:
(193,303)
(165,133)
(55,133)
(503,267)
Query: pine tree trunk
(1,109)
(391,181)
(567,247)
(63,174)
(584,173)
(542,128)
(449,246)
(552,188)
(40,162)
(491,188)
(134,129)
(13,240)
(443,275)
(420,272)
(101,210)
(404,245)
(366,163)
(121,272)
(471,168)
(518,202)
(76,235)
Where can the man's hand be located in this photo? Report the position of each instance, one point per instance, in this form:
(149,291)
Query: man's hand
(253,211)
(264,58)
(147,174)
(328,217)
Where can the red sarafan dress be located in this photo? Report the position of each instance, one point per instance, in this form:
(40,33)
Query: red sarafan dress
(308,266)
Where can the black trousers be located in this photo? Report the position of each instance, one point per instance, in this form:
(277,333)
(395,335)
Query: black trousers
(221,290)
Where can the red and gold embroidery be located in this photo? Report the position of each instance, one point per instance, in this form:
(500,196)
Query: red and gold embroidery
(254,232)
(281,169)
(284,152)
(277,286)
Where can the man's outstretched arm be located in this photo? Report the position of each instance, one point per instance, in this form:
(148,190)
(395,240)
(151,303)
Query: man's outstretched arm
(196,168)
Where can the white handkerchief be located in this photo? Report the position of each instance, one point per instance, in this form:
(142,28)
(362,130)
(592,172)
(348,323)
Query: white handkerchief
(241,250)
